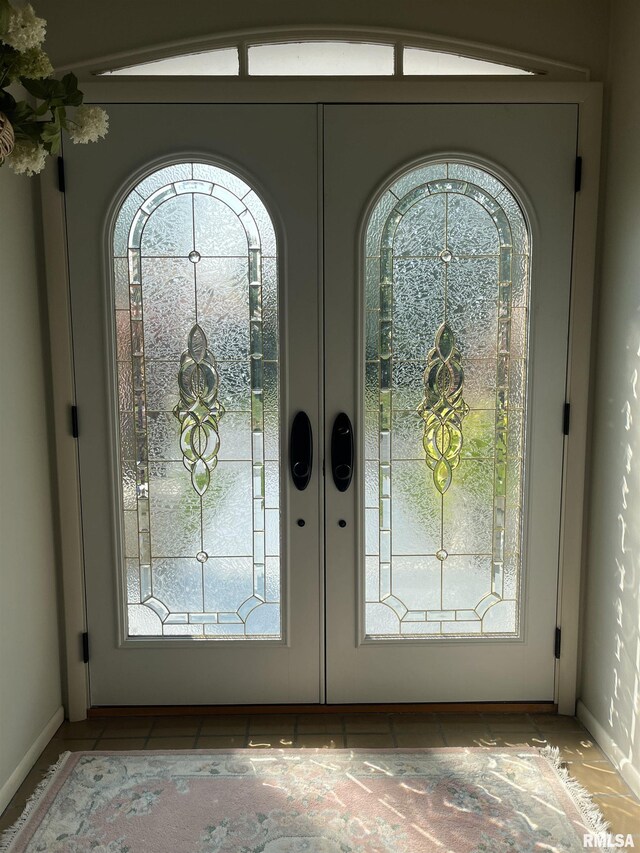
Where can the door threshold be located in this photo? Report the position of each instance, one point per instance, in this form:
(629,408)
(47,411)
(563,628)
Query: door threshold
(371,708)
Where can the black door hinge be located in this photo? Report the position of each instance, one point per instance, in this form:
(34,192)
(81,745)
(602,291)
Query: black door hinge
(74,421)
(61,182)
(566,418)
(558,642)
(578,175)
(85,647)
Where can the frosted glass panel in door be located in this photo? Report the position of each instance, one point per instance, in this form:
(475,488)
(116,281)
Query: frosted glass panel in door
(446,297)
(196,326)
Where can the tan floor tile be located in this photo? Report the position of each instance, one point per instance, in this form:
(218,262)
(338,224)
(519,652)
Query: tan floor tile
(121,743)
(224,725)
(462,738)
(470,730)
(415,723)
(370,740)
(508,720)
(271,724)
(466,719)
(128,727)
(524,739)
(599,777)
(521,726)
(557,722)
(319,724)
(623,814)
(9,817)
(57,746)
(419,739)
(176,726)
(84,729)
(174,742)
(221,742)
(320,741)
(27,787)
(575,746)
(361,723)
(270,741)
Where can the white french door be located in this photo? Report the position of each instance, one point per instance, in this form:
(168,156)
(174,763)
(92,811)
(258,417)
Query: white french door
(194,284)
(195,251)
(449,355)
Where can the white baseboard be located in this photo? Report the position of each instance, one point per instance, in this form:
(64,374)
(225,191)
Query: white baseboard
(610,748)
(20,773)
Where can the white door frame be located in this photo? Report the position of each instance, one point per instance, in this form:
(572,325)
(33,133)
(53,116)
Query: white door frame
(587,96)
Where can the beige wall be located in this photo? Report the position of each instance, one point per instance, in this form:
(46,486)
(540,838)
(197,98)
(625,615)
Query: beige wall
(611,628)
(29,649)
(567,30)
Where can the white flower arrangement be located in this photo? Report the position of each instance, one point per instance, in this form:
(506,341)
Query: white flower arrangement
(29,132)
(27,158)
(88,125)
(25,30)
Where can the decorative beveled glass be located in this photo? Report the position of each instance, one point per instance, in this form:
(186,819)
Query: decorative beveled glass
(446,318)
(196,329)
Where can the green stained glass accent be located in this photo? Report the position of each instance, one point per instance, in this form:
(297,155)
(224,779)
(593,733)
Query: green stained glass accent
(443,408)
(199,410)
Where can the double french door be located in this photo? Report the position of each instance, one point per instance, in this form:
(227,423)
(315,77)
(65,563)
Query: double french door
(404,267)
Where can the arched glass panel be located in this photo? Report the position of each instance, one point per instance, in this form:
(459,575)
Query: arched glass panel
(220,62)
(420,61)
(321,58)
(446,298)
(196,297)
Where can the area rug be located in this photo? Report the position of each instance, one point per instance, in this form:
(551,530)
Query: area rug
(466,800)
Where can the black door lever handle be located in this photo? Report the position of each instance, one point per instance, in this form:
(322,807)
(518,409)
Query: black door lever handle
(342,452)
(301,451)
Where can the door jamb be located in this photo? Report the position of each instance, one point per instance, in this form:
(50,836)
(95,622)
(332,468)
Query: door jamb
(587,96)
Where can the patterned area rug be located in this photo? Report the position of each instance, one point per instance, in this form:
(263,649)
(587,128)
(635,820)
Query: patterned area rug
(306,801)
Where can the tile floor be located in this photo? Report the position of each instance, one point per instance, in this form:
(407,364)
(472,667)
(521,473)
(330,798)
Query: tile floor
(585,760)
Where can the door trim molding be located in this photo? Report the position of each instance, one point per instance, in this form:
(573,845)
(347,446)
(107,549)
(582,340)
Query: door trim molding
(573,530)
(335,90)
(67,472)
(587,96)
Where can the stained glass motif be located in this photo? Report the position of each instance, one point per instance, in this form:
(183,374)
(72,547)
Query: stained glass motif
(446,315)
(443,408)
(198,405)
(199,410)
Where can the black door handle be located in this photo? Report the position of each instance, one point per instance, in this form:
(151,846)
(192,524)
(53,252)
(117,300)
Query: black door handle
(342,452)
(301,451)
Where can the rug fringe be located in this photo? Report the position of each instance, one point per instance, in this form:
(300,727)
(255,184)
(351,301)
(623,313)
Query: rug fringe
(9,835)
(579,794)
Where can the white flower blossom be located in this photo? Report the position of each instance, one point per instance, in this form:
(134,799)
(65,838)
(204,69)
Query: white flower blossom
(88,124)
(25,29)
(33,64)
(27,158)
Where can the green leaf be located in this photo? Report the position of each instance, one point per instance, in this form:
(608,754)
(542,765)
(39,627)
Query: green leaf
(22,112)
(30,130)
(43,109)
(70,83)
(74,99)
(41,89)
(50,136)
(55,147)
